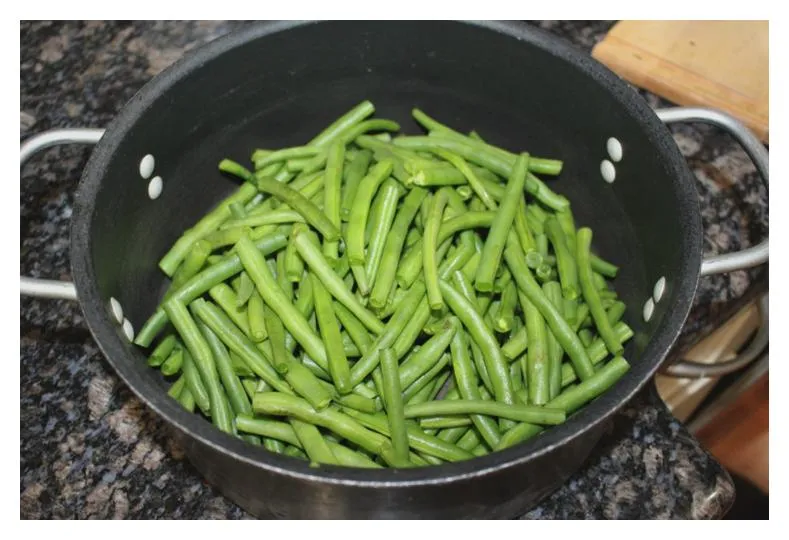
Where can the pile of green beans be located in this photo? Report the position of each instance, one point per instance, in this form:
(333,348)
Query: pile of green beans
(373,300)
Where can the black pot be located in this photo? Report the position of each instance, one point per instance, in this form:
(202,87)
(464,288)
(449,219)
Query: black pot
(277,84)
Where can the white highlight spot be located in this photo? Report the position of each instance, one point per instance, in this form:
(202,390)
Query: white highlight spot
(649,309)
(155,187)
(614,148)
(608,171)
(128,329)
(146,166)
(117,310)
(660,288)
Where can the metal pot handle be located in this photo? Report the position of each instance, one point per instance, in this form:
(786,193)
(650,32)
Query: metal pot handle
(47,288)
(752,256)
(747,258)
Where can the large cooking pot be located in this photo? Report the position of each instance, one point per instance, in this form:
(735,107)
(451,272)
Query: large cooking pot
(277,84)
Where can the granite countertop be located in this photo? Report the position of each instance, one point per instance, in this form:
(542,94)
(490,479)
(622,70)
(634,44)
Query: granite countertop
(90,449)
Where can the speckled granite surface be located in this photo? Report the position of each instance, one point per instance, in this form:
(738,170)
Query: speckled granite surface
(89,449)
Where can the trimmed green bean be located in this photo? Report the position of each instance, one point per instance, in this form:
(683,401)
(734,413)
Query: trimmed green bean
(597,352)
(195,384)
(561,330)
(203,360)
(380,225)
(501,226)
(342,424)
(332,183)
(616,311)
(275,298)
(537,368)
(353,174)
(394,246)
(417,439)
(162,350)
(339,369)
(590,292)
(494,361)
(307,246)
(257,323)
(603,267)
(357,221)
(191,265)
(430,242)
(521,413)
(393,402)
(503,321)
(294,265)
(313,443)
(515,346)
(225,298)
(173,364)
(571,399)
(553,290)
(245,289)
(177,387)
(187,400)
(236,395)
(354,327)
(565,262)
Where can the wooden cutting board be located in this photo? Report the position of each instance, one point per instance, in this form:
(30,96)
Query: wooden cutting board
(718,64)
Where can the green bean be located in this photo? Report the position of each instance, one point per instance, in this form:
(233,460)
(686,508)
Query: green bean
(599,282)
(581,315)
(502,224)
(236,395)
(597,352)
(306,244)
(615,312)
(342,424)
(305,300)
(426,378)
(177,387)
(355,329)
(393,403)
(275,298)
(357,221)
(173,364)
(494,361)
(571,399)
(467,385)
(207,224)
(522,230)
(349,458)
(238,343)
(353,172)
(428,354)
(313,442)
(257,324)
(553,290)
(162,350)
(460,164)
(294,265)
(195,384)
(339,368)
(417,439)
(192,264)
(187,400)
(275,217)
(203,360)
(389,195)
(298,202)
(285,154)
(394,246)
(521,413)
(225,298)
(281,276)
(332,183)
(393,332)
(245,289)
(561,330)
(513,348)
(237,210)
(586,336)
(463,285)
(228,237)
(291,451)
(603,267)
(590,292)
(249,385)
(516,376)
(506,314)
(537,367)
(443,422)
(565,262)
(430,241)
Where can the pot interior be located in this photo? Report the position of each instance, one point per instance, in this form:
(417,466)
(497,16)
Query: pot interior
(265,89)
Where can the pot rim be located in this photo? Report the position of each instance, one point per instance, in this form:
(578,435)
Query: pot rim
(113,346)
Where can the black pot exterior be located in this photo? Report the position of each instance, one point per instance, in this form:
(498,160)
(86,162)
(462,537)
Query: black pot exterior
(277,84)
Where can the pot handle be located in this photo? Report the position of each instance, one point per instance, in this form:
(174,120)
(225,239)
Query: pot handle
(747,258)
(752,256)
(47,288)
